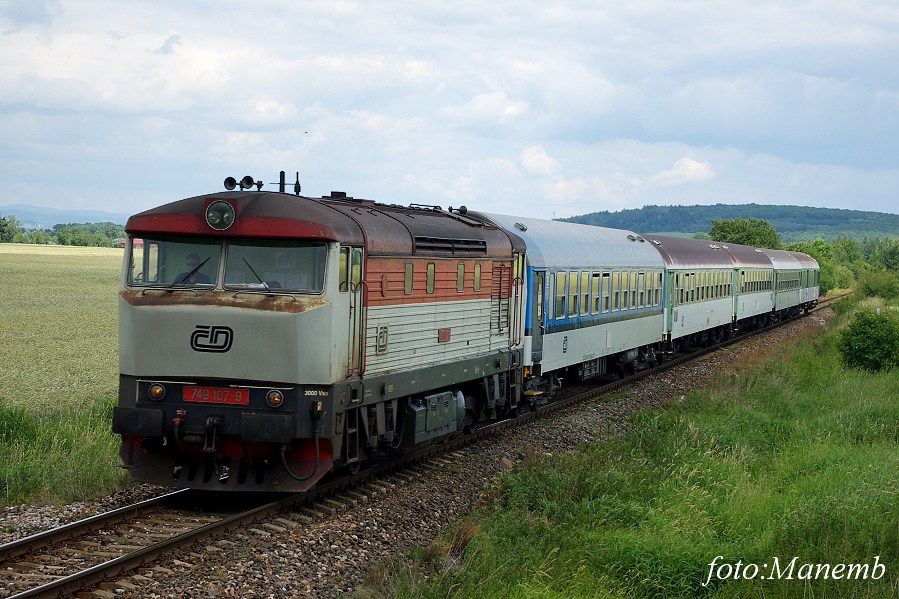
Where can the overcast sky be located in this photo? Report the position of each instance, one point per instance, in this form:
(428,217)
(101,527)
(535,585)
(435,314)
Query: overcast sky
(533,108)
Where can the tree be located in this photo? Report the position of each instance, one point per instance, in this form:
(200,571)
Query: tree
(702,235)
(745,231)
(9,228)
(847,250)
(889,254)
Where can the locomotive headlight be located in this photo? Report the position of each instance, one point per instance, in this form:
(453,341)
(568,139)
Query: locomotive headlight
(156,391)
(274,398)
(220,215)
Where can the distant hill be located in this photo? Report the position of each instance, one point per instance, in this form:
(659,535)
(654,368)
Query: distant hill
(38,217)
(793,223)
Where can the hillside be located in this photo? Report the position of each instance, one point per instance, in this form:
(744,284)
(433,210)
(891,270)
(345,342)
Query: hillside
(39,217)
(792,222)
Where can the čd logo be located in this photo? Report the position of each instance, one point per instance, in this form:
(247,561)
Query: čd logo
(210,338)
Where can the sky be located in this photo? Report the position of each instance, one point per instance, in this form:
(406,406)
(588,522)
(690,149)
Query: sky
(537,108)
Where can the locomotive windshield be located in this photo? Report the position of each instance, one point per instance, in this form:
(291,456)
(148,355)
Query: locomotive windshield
(174,262)
(275,265)
(250,264)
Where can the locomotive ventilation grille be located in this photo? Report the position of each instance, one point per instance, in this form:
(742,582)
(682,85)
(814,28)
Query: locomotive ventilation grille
(452,247)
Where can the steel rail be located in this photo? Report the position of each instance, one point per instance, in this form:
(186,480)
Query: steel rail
(90,524)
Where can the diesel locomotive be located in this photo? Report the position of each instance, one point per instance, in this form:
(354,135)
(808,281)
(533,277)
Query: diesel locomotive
(268,339)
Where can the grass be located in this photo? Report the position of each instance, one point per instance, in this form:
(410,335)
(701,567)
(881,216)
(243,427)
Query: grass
(58,372)
(799,457)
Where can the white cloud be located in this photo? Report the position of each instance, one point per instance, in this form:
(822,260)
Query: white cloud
(685,170)
(493,108)
(537,162)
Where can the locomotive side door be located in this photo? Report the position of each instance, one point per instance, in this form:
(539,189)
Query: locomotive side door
(356,330)
(537,310)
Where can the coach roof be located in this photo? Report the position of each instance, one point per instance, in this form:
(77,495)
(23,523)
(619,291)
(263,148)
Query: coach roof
(555,244)
(782,259)
(804,260)
(683,252)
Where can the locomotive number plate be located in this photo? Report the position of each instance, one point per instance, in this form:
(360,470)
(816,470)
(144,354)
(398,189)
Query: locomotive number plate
(230,396)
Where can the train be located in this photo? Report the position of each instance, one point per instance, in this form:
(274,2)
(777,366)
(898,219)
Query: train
(269,340)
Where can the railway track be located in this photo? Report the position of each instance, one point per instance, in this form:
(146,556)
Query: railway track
(83,554)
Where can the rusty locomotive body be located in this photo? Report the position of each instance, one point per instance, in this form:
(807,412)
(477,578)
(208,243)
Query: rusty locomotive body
(268,339)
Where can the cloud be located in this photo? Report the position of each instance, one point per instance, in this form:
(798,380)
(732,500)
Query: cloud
(168,46)
(22,13)
(493,108)
(537,162)
(685,170)
(559,107)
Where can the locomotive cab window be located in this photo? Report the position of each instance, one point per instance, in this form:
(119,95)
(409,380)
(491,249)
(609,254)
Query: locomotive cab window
(344,268)
(460,277)
(356,268)
(276,265)
(174,262)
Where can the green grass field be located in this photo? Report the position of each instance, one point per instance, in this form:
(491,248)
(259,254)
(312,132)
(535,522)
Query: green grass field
(799,457)
(58,372)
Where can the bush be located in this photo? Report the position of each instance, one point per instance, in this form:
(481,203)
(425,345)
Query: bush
(843,305)
(871,341)
(880,283)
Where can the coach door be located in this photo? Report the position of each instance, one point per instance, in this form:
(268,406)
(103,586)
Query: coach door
(537,309)
(356,328)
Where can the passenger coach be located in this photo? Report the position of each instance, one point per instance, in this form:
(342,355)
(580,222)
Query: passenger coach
(594,299)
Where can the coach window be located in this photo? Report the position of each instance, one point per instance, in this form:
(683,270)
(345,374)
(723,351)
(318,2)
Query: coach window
(595,290)
(585,293)
(460,277)
(641,278)
(606,291)
(678,289)
(659,277)
(559,302)
(613,290)
(633,290)
(656,292)
(430,282)
(572,294)
(477,277)
(629,292)
(407,287)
